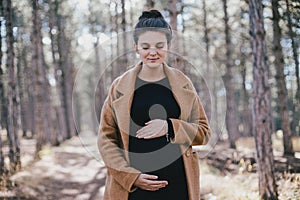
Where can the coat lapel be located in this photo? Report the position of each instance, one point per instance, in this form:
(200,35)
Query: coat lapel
(182,91)
(122,105)
(181,88)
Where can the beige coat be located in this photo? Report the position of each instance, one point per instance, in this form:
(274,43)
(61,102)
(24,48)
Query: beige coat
(190,129)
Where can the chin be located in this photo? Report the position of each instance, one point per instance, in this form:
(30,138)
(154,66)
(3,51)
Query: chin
(154,65)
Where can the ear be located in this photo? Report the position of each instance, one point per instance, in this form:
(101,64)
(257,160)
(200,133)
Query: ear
(169,45)
(135,47)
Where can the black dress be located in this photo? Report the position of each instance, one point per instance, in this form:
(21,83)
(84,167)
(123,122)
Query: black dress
(155,100)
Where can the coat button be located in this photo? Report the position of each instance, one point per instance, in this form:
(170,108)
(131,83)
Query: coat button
(188,153)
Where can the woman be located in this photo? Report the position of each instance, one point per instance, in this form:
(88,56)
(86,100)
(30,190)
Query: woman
(149,122)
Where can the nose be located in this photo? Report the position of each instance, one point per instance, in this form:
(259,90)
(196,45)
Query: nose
(152,51)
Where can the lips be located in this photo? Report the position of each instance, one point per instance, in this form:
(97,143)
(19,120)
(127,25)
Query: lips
(153,59)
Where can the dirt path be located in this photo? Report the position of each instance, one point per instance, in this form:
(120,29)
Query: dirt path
(70,172)
(67,172)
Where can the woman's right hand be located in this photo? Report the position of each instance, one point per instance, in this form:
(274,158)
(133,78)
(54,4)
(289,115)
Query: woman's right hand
(149,182)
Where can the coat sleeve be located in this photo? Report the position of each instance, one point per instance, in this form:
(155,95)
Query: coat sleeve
(194,131)
(109,145)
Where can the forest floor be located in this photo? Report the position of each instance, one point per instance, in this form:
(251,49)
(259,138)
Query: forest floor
(70,172)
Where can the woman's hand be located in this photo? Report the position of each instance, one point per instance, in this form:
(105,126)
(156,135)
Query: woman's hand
(149,182)
(153,129)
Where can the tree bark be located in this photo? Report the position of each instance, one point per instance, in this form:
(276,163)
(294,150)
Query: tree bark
(66,70)
(149,5)
(231,119)
(3,109)
(10,84)
(3,100)
(294,47)
(262,121)
(124,60)
(207,62)
(41,121)
(292,36)
(23,84)
(173,13)
(30,89)
(12,118)
(280,80)
(246,115)
(60,108)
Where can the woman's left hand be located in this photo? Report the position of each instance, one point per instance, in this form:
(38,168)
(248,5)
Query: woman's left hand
(153,129)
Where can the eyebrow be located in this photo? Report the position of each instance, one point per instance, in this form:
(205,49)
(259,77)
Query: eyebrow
(156,43)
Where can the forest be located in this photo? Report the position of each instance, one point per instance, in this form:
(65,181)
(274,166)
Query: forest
(58,59)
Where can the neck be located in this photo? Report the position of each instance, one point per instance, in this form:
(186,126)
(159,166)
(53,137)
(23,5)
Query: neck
(151,74)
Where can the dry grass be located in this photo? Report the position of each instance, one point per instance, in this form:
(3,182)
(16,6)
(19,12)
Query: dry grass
(215,186)
(244,186)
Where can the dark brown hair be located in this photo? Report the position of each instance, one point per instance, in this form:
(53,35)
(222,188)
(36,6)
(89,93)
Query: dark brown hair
(152,21)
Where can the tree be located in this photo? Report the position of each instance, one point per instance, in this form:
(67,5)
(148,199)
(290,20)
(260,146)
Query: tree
(262,121)
(13,124)
(60,108)
(66,70)
(295,48)
(292,35)
(149,4)
(245,113)
(231,120)
(207,101)
(3,109)
(41,118)
(280,79)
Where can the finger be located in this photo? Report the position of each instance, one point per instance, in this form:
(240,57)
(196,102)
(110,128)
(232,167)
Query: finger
(144,134)
(149,176)
(142,130)
(149,122)
(156,183)
(154,188)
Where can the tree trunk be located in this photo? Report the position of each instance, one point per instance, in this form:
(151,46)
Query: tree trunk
(112,49)
(12,118)
(30,90)
(10,83)
(41,122)
(99,94)
(149,5)
(3,100)
(119,40)
(23,82)
(231,119)
(174,59)
(295,123)
(69,81)
(17,111)
(3,109)
(124,60)
(262,121)
(66,70)
(280,79)
(172,7)
(246,115)
(208,103)
(60,109)
(294,47)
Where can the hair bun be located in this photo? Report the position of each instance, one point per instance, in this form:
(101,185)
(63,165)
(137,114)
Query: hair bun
(150,14)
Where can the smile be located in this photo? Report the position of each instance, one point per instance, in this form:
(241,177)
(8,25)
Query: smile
(153,59)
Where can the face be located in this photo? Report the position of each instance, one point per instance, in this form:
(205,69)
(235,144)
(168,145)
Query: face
(152,47)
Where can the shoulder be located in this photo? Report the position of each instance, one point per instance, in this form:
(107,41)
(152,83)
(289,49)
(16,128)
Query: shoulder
(125,77)
(181,78)
(122,82)
(178,73)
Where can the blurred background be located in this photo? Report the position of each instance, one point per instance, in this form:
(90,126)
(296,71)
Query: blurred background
(58,59)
